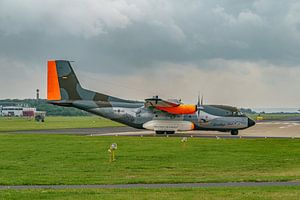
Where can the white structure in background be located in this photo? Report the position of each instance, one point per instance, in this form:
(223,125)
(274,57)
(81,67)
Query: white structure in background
(17,111)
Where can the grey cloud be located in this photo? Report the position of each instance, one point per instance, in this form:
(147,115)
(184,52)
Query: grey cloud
(129,37)
(140,33)
(84,18)
(255,84)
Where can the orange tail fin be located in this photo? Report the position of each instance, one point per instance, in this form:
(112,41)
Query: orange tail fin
(53,90)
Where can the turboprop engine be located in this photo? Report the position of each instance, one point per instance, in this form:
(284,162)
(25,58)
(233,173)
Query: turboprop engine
(169,125)
(182,109)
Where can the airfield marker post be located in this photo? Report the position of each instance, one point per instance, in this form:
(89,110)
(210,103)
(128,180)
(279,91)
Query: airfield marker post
(184,140)
(111,151)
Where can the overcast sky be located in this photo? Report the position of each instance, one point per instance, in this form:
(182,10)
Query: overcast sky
(243,53)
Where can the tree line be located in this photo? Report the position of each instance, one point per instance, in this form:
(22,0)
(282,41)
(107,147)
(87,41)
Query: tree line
(42,105)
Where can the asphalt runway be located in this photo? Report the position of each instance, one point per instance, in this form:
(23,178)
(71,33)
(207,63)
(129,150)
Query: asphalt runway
(269,129)
(164,185)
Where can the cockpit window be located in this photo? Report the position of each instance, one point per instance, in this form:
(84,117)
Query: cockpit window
(238,113)
(241,114)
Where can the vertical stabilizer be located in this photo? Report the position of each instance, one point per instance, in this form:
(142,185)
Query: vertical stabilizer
(63,85)
(53,90)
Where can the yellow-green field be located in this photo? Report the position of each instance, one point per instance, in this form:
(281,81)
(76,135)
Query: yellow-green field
(275,116)
(18,123)
(68,159)
(33,159)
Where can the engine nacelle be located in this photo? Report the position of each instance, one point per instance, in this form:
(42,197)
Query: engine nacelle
(169,125)
(179,110)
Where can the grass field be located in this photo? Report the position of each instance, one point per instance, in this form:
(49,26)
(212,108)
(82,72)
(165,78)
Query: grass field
(274,116)
(68,159)
(18,123)
(272,193)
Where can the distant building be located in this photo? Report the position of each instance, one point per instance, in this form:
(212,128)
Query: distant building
(17,111)
(29,112)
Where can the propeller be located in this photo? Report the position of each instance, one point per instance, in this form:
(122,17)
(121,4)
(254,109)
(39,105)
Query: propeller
(199,107)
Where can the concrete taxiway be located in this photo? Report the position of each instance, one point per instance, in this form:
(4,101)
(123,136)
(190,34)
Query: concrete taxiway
(269,129)
(158,185)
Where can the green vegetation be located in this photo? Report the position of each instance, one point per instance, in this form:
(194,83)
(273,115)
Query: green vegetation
(18,124)
(224,193)
(68,159)
(275,116)
(42,105)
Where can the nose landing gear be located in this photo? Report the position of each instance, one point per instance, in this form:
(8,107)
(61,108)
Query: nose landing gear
(165,132)
(234,132)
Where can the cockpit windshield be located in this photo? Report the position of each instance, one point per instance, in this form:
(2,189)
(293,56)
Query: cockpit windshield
(238,113)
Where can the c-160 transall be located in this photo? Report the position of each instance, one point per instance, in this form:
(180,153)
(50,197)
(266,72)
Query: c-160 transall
(161,116)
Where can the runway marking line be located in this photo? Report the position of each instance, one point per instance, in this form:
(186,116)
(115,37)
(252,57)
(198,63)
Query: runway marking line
(163,185)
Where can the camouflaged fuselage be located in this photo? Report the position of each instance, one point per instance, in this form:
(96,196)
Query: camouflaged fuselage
(70,93)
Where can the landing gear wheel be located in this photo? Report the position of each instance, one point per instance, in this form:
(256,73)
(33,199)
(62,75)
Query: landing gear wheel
(234,132)
(160,132)
(170,132)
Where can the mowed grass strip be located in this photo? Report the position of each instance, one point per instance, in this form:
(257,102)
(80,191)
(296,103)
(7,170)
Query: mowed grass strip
(68,159)
(20,124)
(275,116)
(224,193)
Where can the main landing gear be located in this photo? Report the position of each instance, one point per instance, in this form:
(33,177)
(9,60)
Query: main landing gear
(164,132)
(234,132)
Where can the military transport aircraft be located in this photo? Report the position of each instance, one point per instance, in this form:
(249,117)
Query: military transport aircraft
(161,116)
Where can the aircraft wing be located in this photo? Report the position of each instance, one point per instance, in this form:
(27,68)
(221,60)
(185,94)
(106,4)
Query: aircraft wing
(170,106)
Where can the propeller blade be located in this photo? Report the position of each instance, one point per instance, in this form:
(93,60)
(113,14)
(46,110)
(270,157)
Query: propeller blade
(200,103)
(199,107)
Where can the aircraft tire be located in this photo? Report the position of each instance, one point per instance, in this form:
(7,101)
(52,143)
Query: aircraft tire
(170,132)
(234,132)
